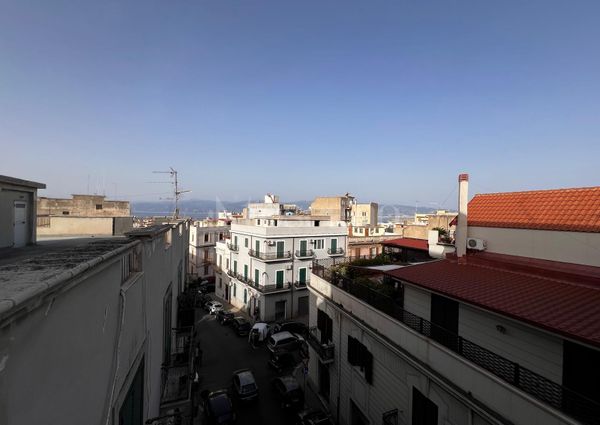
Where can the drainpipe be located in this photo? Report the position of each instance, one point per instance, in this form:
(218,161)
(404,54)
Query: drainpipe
(461,226)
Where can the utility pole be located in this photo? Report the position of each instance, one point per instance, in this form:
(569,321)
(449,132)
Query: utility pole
(177,193)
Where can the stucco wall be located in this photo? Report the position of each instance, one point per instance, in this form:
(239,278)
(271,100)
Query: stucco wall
(77,226)
(7,198)
(569,247)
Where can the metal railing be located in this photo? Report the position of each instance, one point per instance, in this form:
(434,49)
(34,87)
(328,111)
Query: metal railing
(233,247)
(269,287)
(550,392)
(337,251)
(301,285)
(270,256)
(326,352)
(305,253)
(43,221)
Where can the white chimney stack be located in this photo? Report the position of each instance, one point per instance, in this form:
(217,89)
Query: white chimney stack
(461,225)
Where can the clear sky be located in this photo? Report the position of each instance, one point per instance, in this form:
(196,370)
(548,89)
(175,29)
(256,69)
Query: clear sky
(387,100)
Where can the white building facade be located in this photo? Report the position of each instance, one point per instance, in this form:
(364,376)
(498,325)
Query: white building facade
(265,265)
(204,235)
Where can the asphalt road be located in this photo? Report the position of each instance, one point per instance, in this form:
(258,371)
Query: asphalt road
(223,353)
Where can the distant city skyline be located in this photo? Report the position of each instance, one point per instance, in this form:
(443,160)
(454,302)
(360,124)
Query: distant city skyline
(389,101)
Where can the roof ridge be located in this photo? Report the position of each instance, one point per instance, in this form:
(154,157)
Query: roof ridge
(566,189)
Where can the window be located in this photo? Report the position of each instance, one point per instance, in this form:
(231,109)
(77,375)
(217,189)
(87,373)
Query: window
(234,289)
(235,266)
(98,206)
(66,213)
(245,296)
(256,276)
(324,380)
(205,270)
(325,326)
(246,242)
(235,240)
(279,276)
(580,373)
(245,271)
(132,409)
(358,355)
(220,283)
(317,223)
(424,411)
(444,319)
(319,243)
(206,237)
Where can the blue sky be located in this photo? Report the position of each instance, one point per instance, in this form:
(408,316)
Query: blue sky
(388,100)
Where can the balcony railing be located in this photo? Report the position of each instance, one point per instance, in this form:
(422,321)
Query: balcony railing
(336,251)
(556,395)
(181,346)
(325,351)
(233,247)
(301,284)
(305,253)
(269,287)
(270,256)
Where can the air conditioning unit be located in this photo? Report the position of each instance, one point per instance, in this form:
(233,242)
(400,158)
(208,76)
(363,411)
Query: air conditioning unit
(271,243)
(478,244)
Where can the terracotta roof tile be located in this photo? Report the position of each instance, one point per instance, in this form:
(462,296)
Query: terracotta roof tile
(412,243)
(556,305)
(575,210)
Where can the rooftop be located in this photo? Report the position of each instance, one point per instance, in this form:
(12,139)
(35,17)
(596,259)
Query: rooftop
(562,304)
(26,272)
(420,244)
(575,210)
(20,182)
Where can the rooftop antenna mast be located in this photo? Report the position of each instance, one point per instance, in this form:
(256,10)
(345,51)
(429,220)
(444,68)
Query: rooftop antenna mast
(177,193)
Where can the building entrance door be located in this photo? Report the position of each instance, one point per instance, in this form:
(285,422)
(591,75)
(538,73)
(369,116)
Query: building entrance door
(21,230)
(280,310)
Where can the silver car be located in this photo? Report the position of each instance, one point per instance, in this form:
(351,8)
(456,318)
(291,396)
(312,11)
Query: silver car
(244,385)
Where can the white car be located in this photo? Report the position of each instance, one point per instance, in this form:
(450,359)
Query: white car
(209,305)
(215,307)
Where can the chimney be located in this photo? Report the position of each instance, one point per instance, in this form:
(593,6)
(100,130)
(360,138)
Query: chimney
(461,225)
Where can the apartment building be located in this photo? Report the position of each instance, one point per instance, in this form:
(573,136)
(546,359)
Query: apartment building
(87,329)
(503,332)
(339,208)
(204,235)
(265,264)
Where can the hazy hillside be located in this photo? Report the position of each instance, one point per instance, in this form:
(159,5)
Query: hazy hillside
(200,208)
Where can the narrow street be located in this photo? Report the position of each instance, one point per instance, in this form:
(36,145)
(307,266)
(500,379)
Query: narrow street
(223,353)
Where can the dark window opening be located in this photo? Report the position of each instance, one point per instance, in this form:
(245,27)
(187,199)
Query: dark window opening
(98,206)
(424,411)
(325,325)
(444,321)
(581,374)
(66,212)
(358,355)
(132,409)
(317,223)
(324,380)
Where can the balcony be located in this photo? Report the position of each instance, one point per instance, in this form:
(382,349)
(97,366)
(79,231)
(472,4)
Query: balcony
(270,256)
(301,284)
(304,253)
(265,289)
(232,247)
(325,351)
(335,252)
(181,346)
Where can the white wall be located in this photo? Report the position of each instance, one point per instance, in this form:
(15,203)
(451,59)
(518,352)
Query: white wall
(568,247)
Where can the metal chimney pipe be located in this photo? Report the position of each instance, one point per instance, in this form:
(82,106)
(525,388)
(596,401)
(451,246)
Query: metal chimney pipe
(461,225)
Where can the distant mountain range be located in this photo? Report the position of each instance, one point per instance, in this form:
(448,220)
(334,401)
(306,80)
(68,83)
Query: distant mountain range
(200,208)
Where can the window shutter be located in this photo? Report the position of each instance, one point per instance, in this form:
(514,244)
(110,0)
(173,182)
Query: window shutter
(352,351)
(321,320)
(368,363)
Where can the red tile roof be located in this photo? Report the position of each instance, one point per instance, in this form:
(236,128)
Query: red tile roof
(571,310)
(419,244)
(575,210)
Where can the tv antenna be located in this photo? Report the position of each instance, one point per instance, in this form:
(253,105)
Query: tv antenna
(176,193)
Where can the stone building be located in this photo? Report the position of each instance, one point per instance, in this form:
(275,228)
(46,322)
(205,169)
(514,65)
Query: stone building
(83,206)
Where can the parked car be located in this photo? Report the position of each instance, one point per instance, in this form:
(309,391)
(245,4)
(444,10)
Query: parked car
(244,385)
(218,408)
(241,326)
(284,361)
(208,304)
(262,331)
(289,392)
(293,327)
(313,417)
(283,341)
(201,300)
(224,317)
(215,308)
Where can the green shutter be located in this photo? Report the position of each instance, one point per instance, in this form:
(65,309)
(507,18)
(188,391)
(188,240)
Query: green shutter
(245,296)
(333,246)
(302,275)
(279,281)
(280,247)
(256,276)
(303,248)
(235,266)
(257,247)
(246,271)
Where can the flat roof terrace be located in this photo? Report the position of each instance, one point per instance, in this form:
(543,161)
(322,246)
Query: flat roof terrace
(30,271)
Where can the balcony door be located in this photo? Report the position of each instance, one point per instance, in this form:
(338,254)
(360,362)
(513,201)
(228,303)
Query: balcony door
(333,246)
(444,316)
(257,247)
(280,248)
(303,248)
(302,275)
